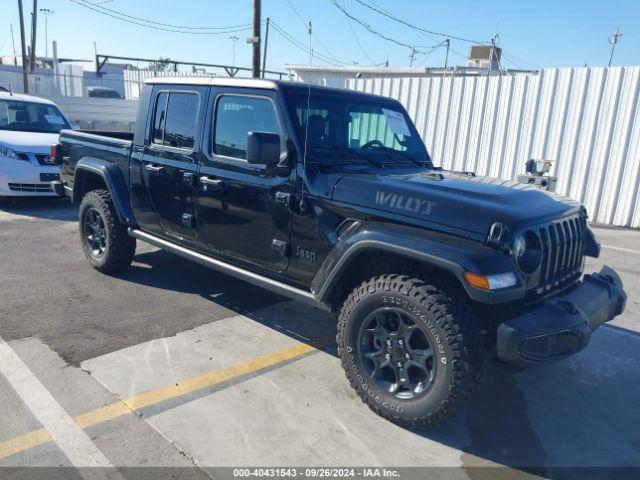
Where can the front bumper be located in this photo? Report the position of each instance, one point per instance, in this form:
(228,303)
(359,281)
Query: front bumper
(20,178)
(562,325)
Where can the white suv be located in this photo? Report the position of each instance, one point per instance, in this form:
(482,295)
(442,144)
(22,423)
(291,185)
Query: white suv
(28,127)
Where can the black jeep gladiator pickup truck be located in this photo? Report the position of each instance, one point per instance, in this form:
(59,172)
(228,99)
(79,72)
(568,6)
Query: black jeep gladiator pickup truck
(330,197)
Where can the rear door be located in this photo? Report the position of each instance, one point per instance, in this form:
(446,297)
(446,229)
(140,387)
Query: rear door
(169,161)
(243,209)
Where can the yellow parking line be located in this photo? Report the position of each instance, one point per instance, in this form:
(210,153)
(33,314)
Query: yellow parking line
(152,397)
(24,442)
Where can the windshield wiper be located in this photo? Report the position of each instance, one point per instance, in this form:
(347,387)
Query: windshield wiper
(334,148)
(393,150)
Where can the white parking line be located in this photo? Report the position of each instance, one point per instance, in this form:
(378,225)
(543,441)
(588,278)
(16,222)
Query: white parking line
(64,431)
(628,250)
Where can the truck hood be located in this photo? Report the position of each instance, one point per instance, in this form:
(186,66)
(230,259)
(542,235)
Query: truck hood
(34,142)
(456,200)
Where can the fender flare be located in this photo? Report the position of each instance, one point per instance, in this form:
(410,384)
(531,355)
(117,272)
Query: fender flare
(113,179)
(455,256)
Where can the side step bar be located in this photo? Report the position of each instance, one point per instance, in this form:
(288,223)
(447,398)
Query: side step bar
(237,272)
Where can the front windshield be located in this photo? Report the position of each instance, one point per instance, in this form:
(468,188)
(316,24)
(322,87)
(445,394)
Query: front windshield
(355,128)
(23,116)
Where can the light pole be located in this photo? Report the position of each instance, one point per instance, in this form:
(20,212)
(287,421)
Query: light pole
(46,13)
(234,39)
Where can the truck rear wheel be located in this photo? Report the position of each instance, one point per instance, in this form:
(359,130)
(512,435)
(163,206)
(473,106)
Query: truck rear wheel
(412,351)
(105,241)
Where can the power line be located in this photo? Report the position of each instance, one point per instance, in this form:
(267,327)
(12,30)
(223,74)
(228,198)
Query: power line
(5,41)
(232,29)
(301,46)
(372,30)
(355,37)
(330,55)
(183,27)
(410,25)
(9,35)
(376,8)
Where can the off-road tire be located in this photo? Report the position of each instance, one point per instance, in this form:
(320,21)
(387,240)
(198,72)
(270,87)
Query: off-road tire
(453,331)
(120,247)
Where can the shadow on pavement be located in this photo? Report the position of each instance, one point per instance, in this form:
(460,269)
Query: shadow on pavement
(160,269)
(164,270)
(46,208)
(576,419)
(566,420)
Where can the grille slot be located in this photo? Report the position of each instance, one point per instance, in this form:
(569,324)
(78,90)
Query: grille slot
(562,248)
(30,187)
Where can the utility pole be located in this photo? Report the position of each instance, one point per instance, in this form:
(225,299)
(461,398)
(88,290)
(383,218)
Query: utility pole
(46,13)
(25,76)
(494,52)
(34,26)
(447,44)
(266,43)
(257,17)
(234,39)
(613,39)
(412,56)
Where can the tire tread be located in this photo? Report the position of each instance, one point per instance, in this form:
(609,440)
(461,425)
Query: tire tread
(454,316)
(121,246)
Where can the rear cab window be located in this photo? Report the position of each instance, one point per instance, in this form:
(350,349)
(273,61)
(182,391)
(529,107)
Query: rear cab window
(175,119)
(235,117)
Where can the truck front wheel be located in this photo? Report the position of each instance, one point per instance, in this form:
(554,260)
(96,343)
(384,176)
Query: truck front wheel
(412,351)
(105,240)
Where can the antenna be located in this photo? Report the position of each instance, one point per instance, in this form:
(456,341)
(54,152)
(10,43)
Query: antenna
(306,127)
(613,39)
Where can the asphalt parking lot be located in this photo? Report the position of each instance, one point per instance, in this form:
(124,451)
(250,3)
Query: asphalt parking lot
(173,365)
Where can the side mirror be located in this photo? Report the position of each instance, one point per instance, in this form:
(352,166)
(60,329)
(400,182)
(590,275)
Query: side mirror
(263,148)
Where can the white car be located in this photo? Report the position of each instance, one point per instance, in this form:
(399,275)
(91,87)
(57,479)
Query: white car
(28,127)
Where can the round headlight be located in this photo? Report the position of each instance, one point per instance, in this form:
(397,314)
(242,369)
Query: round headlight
(527,252)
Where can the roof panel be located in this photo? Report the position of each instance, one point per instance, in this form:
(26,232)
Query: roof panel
(214,81)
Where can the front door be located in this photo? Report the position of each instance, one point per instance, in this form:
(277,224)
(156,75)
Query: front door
(169,162)
(243,210)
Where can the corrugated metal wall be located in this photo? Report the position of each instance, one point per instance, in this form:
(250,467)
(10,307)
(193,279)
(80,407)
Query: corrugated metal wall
(585,119)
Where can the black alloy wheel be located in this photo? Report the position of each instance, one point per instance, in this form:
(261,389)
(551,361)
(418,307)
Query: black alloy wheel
(396,353)
(95,233)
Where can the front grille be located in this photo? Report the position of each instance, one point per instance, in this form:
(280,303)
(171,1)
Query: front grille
(562,244)
(30,187)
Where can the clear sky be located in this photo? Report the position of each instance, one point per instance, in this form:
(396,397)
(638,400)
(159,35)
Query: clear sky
(532,33)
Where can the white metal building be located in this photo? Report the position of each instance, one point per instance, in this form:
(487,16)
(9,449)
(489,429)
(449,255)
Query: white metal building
(340,77)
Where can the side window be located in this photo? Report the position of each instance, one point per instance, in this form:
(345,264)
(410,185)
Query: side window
(235,118)
(159,118)
(182,113)
(174,122)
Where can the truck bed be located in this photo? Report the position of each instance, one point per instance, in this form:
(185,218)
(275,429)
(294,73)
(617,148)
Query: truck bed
(111,147)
